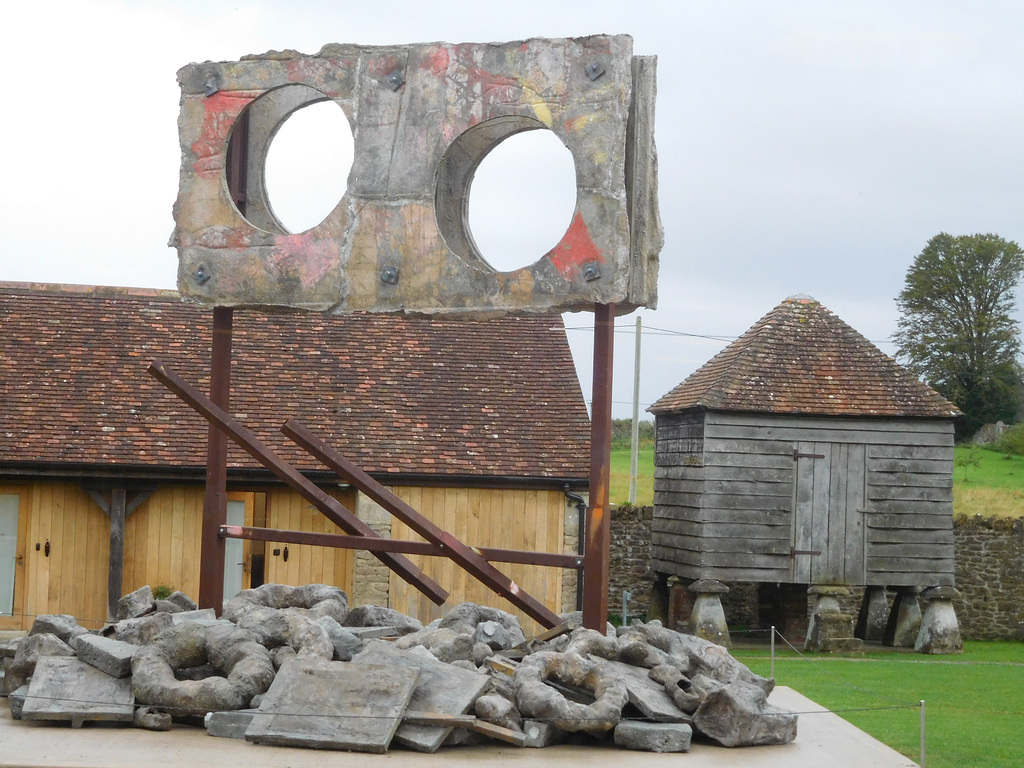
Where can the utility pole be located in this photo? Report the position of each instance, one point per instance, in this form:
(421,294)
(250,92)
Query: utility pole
(634,449)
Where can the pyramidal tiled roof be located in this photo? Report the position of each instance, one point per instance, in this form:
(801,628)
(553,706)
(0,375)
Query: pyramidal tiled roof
(393,394)
(800,358)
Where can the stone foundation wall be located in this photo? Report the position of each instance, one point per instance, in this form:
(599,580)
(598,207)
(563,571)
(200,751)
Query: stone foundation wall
(630,558)
(990,576)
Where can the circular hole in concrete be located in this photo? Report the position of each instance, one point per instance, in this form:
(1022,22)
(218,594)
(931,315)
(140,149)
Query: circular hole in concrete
(307,165)
(521,199)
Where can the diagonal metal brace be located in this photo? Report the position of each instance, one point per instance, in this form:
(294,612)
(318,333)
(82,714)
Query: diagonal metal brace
(330,507)
(466,557)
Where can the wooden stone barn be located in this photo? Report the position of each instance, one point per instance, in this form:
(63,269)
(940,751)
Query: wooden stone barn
(802,455)
(479,426)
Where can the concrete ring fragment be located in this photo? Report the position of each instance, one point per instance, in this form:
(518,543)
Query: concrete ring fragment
(245,665)
(538,700)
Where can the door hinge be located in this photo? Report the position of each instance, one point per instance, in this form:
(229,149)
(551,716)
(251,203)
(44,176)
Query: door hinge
(798,455)
(795,552)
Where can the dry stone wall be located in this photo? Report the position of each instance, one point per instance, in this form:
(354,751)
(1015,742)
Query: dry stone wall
(990,577)
(630,558)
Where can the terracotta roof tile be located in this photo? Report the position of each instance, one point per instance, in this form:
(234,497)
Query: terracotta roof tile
(800,358)
(394,394)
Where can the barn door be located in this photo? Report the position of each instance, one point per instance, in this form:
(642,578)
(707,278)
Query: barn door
(828,527)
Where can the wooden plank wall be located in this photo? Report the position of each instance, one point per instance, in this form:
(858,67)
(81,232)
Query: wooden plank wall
(73,579)
(306,564)
(910,526)
(162,541)
(678,489)
(509,519)
(732,517)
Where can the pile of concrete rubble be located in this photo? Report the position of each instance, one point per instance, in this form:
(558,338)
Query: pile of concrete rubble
(295,666)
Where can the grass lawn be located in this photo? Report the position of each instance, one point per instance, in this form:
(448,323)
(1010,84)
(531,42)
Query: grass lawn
(974,703)
(620,476)
(988,483)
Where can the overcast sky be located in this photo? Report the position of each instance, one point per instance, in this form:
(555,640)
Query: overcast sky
(804,147)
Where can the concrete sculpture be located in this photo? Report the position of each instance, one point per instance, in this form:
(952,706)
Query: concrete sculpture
(423,117)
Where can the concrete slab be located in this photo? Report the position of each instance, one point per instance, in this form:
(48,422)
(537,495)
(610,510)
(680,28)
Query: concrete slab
(110,656)
(333,705)
(64,688)
(645,694)
(442,689)
(823,739)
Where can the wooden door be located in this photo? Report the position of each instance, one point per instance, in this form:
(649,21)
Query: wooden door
(828,525)
(13,514)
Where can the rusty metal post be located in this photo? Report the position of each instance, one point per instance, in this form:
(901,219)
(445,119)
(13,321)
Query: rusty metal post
(215,500)
(595,559)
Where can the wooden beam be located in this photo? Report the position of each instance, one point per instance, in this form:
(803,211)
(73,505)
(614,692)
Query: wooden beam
(341,541)
(116,560)
(330,507)
(465,557)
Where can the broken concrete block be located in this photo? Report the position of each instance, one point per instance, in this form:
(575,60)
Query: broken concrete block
(441,689)
(738,715)
(68,689)
(446,644)
(312,600)
(30,650)
(200,614)
(63,626)
(346,644)
(467,618)
(333,705)
(282,655)
(152,719)
(9,647)
(229,725)
(110,656)
(378,616)
(498,710)
(647,695)
(166,606)
(493,635)
(182,600)
(463,737)
(540,734)
(653,737)
(140,631)
(136,604)
(371,633)
(16,701)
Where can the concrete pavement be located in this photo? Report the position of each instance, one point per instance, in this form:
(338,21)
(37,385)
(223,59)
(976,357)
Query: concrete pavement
(823,739)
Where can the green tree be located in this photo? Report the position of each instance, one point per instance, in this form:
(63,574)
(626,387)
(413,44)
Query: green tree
(955,328)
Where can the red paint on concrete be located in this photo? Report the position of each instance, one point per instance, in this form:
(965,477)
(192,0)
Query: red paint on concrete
(220,111)
(575,249)
(305,256)
(437,62)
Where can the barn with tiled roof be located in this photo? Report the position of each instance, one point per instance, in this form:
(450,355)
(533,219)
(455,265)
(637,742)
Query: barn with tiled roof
(801,454)
(476,424)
